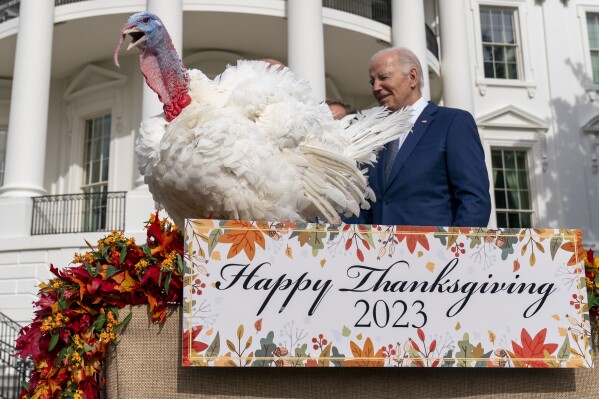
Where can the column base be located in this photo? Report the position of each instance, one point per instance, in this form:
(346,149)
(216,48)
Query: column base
(20,190)
(15,213)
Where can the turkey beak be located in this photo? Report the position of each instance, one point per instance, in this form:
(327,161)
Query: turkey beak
(138,37)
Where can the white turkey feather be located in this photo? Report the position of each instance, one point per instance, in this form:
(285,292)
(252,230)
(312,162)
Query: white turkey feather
(254,144)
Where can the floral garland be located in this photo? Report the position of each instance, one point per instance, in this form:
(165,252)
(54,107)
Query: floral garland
(591,266)
(78,311)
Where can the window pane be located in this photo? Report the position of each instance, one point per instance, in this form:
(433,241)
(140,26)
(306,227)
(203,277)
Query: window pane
(595,65)
(511,179)
(500,199)
(510,162)
(512,71)
(501,220)
(522,180)
(525,220)
(497,159)
(513,193)
(96,165)
(512,200)
(514,220)
(498,34)
(489,70)
(524,200)
(498,179)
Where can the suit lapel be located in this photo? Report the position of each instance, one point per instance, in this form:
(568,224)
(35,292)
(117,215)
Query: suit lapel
(418,130)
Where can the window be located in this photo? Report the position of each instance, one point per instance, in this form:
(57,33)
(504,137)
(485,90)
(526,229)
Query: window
(95,171)
(499,42)
(593,31)
(511,188)
(3,135)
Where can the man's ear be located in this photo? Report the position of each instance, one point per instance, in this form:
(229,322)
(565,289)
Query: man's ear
(414,78)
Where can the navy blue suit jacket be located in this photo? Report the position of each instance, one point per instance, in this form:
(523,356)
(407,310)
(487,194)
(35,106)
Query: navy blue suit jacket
(439,177)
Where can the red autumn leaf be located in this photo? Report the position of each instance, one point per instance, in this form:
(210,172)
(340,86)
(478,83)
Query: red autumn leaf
(415,345)
(366,244)
(433,345)
(360,254)
(410,233)
(348,244)
(420,334)
(532,348)
(516,265)
(189,343)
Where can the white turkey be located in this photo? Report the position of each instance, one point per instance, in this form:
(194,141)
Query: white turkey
(251,144)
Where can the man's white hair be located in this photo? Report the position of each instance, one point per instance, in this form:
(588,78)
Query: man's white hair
(406,59)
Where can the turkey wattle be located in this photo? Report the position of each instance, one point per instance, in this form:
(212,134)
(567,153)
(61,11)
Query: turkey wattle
(251,144)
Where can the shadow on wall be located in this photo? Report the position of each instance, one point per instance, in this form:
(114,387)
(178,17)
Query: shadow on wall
(577,184)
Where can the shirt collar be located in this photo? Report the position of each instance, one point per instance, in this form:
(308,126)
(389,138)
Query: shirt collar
(417,109)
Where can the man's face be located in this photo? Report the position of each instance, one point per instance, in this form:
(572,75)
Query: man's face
(390,86)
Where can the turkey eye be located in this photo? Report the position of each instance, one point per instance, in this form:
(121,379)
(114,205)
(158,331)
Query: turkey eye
(146,20)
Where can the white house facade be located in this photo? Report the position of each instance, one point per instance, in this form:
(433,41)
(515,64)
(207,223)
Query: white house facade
(528,70)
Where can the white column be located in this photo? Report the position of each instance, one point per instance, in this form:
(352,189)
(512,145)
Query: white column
(171,14)
(305,43)
(457,77)
(28,118)
(408,30)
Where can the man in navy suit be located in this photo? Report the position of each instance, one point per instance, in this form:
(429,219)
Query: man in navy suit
(436,174)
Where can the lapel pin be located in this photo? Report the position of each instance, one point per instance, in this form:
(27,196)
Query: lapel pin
(424,121)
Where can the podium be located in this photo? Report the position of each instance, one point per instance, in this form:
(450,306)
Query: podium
(146,362)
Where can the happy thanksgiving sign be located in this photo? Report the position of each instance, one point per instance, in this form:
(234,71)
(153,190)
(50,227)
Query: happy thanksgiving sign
(266,294)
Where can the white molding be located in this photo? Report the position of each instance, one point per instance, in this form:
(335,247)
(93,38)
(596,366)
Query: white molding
(591,88)
(503,118)
(511,119)
(591,128)
(76,89)
(526,79)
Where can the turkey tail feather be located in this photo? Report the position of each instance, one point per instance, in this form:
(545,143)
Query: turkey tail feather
(371,129)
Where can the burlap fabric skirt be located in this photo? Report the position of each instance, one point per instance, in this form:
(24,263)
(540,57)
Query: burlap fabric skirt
(146,363)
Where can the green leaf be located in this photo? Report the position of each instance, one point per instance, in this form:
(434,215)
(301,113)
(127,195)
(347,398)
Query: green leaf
(214,348)
(123,323)
(123,254)
(147,250)
(99,323)
(554,245)
(465,351)
(167,282)
(61,355)
(345,331)
(448,360)
(62,303)
(179,264)
(111,270)
(53,341)
(299,228)
(87,348)
(337,358)
(300,356)
(213,239)
(564,351)
(264,354)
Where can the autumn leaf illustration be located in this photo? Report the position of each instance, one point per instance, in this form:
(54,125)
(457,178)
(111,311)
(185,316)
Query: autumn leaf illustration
(365,356)
(574,244)
(189,344)
(242,237)
(407,233)
(532,348)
